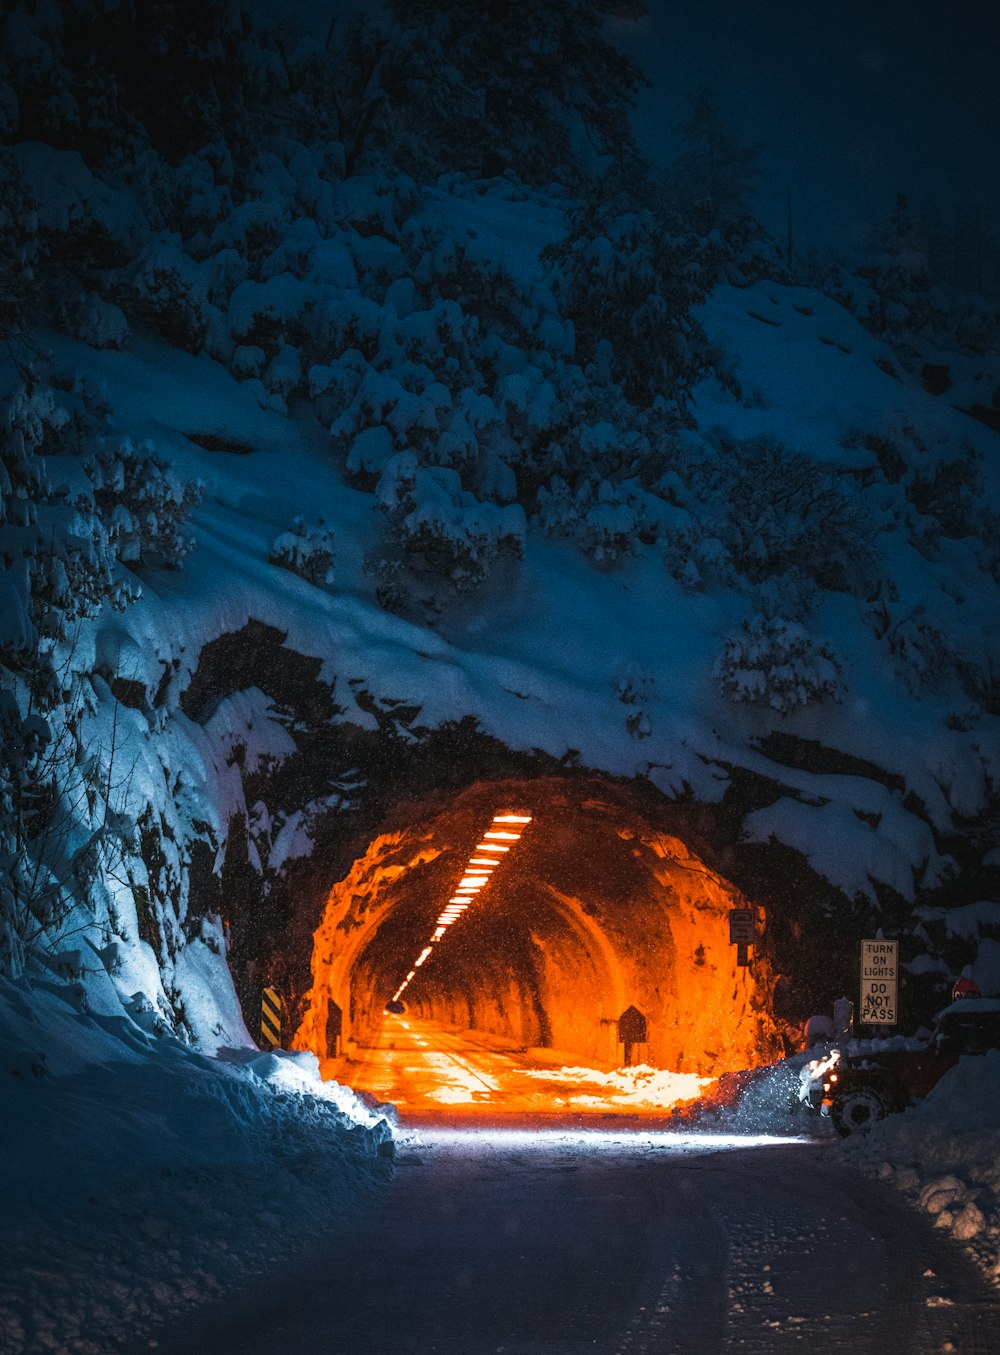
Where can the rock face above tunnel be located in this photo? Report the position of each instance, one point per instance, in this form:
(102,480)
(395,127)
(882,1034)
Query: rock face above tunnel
(598,909)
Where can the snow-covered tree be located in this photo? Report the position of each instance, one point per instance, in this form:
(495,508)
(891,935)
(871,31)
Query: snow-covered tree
(62,820)
(142,504)
(757,510)
(778,664)
(919,283)
(305,550)
(709,190)
(441,541)
(629,291)
(530,87)
(18,247)
(606,520)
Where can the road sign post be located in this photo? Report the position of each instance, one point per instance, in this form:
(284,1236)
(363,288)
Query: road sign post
(632,1031)
(879,983)
(741,933)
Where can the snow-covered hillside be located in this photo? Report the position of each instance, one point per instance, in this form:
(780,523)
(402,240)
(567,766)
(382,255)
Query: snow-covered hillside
(677,661)
(566,464)
(336,446)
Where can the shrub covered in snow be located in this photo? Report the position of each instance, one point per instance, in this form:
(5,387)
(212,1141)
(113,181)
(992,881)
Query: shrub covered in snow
(434,90)
(925,658)
(168,291)
(603,519)
(306,551)
(441,541)
(757,510)
(619,275)
(93,320)
(18,246)
(775,663)
(59,557)
(142,504)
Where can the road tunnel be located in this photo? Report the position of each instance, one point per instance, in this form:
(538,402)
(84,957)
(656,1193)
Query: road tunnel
(584,908)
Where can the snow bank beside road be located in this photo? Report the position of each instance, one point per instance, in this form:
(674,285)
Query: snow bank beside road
(140,1178)
(944,1155)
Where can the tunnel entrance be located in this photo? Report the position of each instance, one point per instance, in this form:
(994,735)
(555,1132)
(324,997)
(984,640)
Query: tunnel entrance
(520,921)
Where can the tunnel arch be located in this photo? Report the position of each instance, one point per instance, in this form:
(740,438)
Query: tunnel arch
(599,908)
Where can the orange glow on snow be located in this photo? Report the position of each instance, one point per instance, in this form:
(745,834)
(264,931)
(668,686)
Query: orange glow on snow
(434,1072)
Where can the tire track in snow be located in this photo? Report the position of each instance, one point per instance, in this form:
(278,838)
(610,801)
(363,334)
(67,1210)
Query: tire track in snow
(685,1312)
(513,1244)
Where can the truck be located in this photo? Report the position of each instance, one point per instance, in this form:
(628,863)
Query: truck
(857,1085)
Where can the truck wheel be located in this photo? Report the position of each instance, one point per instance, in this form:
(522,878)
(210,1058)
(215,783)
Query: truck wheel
(855,1109)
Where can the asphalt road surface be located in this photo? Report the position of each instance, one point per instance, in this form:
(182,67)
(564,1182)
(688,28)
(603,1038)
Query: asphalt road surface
(553,1241)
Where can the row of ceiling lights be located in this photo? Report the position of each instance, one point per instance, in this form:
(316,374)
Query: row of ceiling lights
(488,853)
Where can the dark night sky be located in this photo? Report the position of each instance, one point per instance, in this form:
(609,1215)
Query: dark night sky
(853,100)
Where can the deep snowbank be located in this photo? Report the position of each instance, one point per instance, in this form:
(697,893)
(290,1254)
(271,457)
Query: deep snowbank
(944,1155)
(140,1178)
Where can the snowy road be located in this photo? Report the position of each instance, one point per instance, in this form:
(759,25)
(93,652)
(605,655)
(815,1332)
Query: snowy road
(431,1072)
(556,1242)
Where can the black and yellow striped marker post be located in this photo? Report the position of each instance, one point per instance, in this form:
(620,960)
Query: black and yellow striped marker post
(270,1018)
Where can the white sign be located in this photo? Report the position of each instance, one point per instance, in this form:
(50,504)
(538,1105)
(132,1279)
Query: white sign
(741,926)
(878,983)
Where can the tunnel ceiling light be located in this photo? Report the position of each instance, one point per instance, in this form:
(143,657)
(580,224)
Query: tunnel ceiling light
(477,874)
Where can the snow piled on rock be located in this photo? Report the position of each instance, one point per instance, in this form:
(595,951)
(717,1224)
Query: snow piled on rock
(944,1155)
(140,1178)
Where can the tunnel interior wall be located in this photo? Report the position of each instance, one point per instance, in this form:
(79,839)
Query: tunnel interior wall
(597,910)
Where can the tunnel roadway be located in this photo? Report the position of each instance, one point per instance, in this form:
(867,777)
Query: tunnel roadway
(431,1073)
(544,1239)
